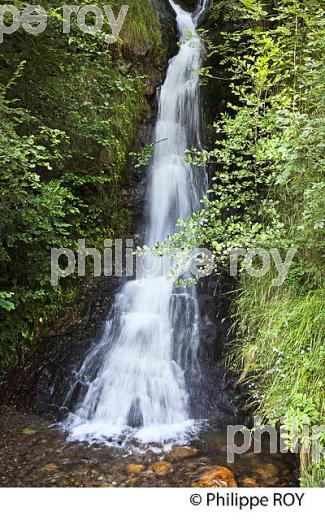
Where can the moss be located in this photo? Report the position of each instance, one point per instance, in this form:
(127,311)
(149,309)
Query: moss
(141,31)
(98,97)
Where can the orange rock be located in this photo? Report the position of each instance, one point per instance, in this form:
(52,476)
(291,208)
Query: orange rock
(162,468)
(249,482)
(130,481)
(183,452)
(216,477)
(135,468)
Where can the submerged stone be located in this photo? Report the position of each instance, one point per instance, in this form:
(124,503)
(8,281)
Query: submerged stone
(135,468)
(218,476)
(183,452)
(162,468)
(249,482)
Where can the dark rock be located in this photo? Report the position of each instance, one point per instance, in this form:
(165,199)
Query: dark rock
(188,5)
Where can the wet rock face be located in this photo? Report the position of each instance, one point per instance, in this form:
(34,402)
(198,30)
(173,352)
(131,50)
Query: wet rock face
(188,5)
(168,25)
(212,395)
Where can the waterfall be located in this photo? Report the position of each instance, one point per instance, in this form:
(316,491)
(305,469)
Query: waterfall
(138,376)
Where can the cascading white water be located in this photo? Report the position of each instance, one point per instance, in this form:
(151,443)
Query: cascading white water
(137,377)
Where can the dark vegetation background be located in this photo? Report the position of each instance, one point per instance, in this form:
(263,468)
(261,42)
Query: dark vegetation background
(70,110)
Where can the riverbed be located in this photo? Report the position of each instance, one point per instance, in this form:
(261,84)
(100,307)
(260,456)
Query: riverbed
(35,454)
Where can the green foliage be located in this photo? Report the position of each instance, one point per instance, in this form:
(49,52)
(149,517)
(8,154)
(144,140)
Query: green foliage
(281,352)
(143,156)
(5,302)
(268,191)
(70,106)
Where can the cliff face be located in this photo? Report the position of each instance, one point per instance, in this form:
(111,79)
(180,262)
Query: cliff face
(189,5)
(168,28)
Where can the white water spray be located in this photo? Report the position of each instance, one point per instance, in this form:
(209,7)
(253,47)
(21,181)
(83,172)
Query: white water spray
(137,378)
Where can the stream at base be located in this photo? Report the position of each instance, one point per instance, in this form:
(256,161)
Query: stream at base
(32,454)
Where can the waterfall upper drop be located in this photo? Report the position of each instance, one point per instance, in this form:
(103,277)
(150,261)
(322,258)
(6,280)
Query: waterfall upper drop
(136,380)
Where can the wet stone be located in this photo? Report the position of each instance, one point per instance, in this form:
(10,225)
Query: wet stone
(216,477)
(162,468)
(135,468)
(183,452)
(249,482)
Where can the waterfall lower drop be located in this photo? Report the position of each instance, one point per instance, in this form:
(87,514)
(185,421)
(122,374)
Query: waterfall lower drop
(137,378)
